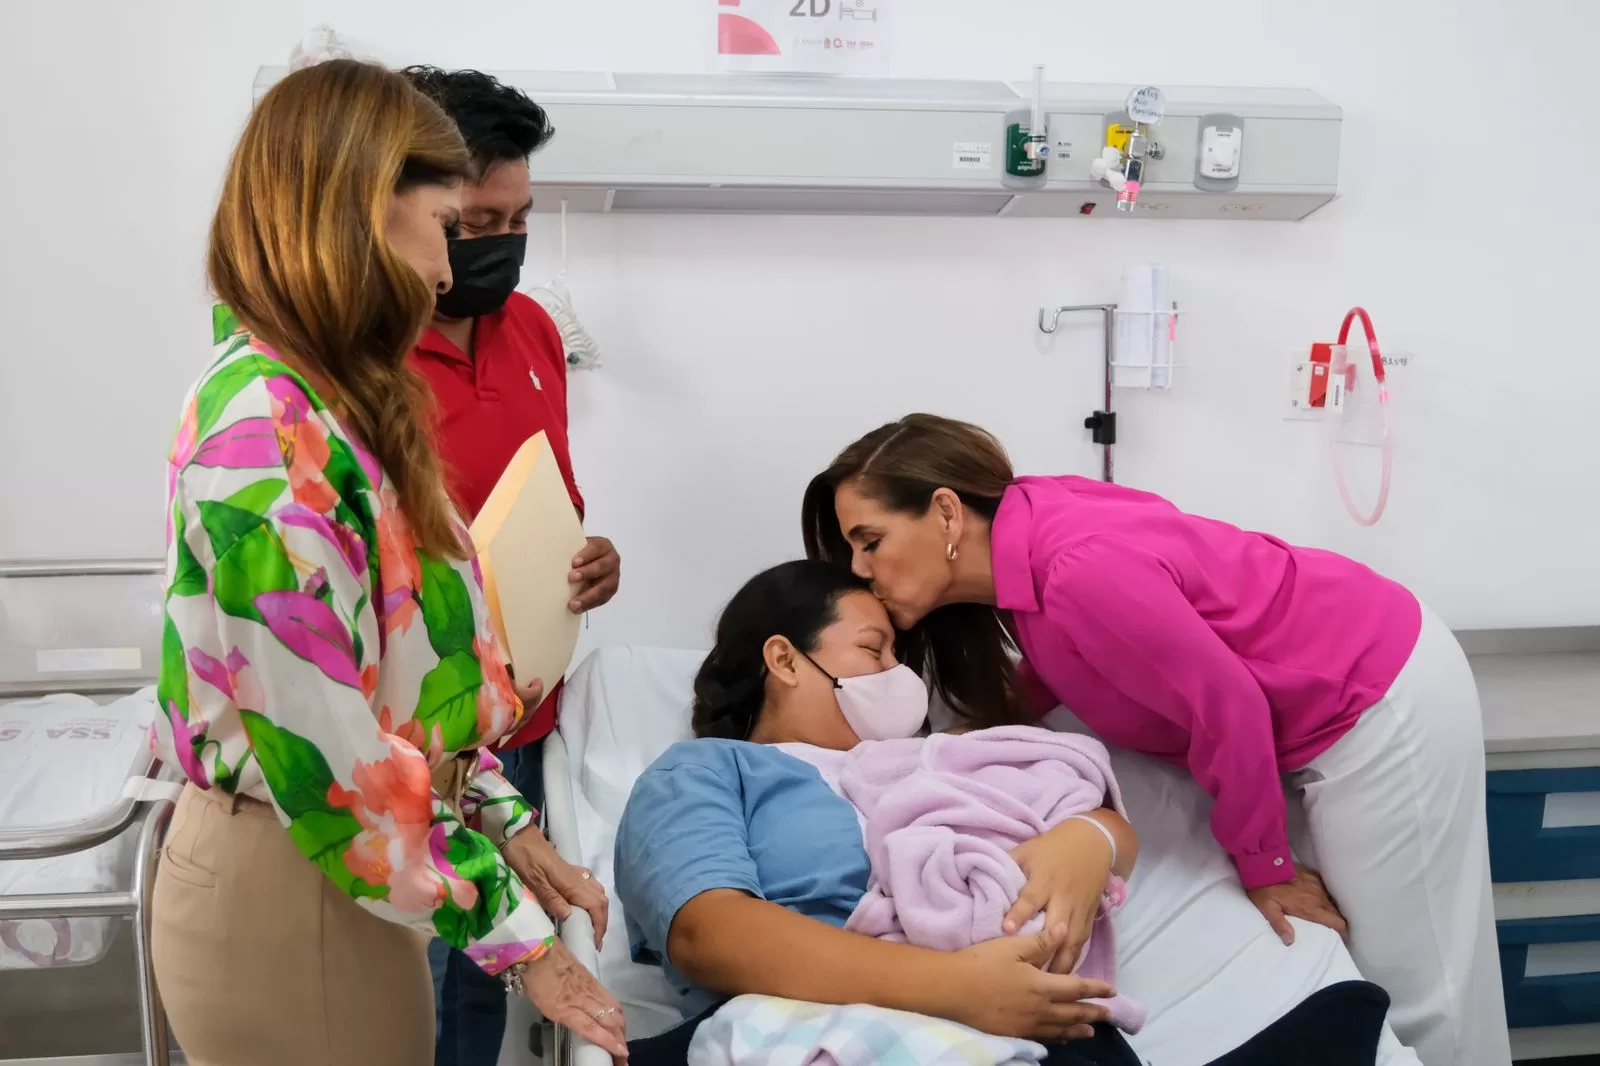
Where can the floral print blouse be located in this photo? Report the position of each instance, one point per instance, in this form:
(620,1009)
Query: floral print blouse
(315,659)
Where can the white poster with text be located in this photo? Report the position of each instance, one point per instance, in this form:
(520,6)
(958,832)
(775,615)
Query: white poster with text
(805,36)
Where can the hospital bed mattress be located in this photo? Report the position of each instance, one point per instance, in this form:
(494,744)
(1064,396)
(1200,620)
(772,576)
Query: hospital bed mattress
(62,759)
(1189,942)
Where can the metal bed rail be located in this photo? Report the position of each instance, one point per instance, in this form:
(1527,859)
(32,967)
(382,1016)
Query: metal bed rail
(19,843)
(79,686)
(152,817)
(557,1045)
(24,568)
(133,904)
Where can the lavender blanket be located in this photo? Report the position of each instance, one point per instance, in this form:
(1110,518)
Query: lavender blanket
(941,815)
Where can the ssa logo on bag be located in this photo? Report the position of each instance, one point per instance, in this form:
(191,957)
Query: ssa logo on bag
(83,729)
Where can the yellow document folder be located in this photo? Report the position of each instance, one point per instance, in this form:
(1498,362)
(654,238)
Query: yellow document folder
(526,536)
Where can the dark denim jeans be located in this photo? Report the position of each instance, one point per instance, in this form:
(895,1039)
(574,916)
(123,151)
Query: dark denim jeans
(471,1006)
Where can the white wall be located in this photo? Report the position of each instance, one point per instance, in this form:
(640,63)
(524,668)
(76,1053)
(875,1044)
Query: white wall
(743,353)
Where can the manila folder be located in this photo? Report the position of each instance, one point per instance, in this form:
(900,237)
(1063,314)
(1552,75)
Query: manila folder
(526,536)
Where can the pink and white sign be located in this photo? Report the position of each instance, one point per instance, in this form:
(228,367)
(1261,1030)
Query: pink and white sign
(805,36)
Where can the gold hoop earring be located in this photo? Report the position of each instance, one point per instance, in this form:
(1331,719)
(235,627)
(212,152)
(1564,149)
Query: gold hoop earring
(951,552)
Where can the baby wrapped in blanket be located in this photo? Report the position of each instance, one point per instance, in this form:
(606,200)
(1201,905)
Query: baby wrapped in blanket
(941,815)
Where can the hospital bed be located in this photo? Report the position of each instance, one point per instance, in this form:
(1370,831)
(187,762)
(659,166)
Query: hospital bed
(1190,944)
(79,648)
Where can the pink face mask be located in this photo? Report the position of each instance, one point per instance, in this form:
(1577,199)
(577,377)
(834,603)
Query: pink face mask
(891,705)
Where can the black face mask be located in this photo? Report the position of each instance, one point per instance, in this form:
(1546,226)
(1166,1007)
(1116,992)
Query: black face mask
(485,271)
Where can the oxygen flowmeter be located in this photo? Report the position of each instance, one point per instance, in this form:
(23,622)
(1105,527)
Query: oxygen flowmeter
(1128,144)
(1028,139)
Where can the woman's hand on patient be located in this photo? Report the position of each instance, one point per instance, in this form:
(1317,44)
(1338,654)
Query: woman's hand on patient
(569,995)
(556,883)
(1305,897)
(1009,993)
(1067,869)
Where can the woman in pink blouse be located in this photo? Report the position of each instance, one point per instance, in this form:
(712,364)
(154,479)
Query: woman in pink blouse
(1248,661)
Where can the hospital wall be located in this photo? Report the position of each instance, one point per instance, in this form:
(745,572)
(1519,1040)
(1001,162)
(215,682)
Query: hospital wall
(742,353)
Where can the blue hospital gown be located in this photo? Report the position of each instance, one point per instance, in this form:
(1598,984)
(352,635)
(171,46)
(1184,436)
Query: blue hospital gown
(712,814)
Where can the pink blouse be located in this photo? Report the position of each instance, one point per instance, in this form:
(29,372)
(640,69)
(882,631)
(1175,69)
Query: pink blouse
(1231,653)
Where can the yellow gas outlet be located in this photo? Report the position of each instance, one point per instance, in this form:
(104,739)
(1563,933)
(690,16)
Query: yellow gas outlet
(1117,136)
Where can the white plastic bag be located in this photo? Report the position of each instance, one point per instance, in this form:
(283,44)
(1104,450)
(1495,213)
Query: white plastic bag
(321,44)
(62,758)
(581,349)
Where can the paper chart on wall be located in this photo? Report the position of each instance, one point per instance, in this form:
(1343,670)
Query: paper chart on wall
(805,36)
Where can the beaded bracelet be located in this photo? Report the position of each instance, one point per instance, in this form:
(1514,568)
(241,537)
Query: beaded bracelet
(512,975)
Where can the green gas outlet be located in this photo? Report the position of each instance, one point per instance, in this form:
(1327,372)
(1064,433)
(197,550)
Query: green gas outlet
(1018,164)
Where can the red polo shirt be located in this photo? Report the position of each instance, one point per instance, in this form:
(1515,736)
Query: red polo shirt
(487,405)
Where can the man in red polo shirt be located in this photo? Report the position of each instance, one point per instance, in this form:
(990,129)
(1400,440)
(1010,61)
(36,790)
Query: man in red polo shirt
(495,363)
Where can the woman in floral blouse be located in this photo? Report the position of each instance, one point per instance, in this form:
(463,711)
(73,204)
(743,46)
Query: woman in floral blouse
(327,665)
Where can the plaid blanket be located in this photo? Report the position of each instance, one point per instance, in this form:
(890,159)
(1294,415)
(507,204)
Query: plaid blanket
(767,1031)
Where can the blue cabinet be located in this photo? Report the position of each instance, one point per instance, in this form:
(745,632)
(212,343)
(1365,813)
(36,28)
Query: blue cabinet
(1521,846)
(1555,998)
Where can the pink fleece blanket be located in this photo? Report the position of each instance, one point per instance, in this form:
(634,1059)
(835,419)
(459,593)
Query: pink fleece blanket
(941,815)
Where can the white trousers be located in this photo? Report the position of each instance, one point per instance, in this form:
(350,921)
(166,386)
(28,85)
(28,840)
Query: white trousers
(1395,817)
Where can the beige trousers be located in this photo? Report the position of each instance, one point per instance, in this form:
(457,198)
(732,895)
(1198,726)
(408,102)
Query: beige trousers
(262,961)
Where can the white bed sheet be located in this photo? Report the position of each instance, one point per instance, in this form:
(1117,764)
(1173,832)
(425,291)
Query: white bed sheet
(1190,943)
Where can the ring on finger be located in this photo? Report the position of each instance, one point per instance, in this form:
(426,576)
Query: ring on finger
(601,1014)
(586,876)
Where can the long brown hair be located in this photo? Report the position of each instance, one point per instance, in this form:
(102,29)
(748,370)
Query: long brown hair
(299,252)
(962,649)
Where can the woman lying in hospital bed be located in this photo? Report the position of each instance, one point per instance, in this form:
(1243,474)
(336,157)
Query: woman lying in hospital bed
(743,867)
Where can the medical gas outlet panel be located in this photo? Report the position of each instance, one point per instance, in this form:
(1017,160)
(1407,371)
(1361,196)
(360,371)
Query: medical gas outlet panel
(763,144)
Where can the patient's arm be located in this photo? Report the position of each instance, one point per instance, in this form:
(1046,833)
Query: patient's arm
(732,942)
(727,940)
